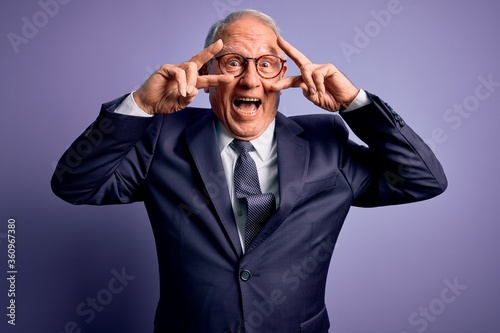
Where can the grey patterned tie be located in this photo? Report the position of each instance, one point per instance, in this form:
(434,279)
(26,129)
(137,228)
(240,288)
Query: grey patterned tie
(260,205)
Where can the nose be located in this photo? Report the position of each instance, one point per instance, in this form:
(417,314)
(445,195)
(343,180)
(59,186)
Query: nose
(250,78)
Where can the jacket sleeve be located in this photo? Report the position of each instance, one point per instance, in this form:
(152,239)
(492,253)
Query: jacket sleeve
(103,165)
(398,166)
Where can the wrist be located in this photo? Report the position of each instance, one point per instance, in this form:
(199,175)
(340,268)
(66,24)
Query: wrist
(136,98)
(344,105)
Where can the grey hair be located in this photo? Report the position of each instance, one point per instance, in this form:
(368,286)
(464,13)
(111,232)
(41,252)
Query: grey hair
(218,26)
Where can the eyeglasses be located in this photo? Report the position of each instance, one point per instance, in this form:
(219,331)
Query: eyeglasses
(268,66)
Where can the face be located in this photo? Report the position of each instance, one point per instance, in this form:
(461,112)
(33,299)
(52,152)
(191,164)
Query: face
(247,105)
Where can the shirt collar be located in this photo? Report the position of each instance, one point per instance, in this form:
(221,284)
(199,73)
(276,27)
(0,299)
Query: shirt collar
(263,144)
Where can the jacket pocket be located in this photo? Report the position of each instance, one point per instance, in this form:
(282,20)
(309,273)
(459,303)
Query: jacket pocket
(317,186)
(317,324)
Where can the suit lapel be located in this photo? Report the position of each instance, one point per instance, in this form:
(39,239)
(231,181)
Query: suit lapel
(202,141)
(293,162)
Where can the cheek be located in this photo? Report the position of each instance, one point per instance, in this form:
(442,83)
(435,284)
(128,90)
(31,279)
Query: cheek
(220,93)
(272,98)
(218,102)
(215,95)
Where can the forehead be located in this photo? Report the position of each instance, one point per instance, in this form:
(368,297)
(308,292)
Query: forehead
(249,34)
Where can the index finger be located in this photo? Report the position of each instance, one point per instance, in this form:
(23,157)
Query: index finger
(207,81)
(288,82)
(298,57)
(207,54)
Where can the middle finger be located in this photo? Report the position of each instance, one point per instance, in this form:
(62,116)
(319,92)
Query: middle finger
(298,57)
(205,55)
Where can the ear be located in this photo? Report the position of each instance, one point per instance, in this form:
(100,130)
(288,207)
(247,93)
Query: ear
(283,71)
(282,74)
(203,70)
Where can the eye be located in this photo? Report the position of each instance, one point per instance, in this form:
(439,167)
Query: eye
(265,64)
(268,62)
(234,62)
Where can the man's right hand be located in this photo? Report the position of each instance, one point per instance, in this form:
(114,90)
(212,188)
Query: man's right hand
(173,87)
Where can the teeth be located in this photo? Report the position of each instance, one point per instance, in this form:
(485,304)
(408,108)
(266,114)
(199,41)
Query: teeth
(245,99)
(239,101)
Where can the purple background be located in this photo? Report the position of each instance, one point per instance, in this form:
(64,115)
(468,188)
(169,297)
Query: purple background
(390,263)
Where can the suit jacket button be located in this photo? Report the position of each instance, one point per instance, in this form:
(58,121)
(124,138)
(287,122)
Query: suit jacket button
(245,275)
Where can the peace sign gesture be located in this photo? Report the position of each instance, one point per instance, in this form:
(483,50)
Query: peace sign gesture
(324,85)
(173,87)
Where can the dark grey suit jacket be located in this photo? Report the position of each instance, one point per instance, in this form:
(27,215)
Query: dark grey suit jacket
(172,163)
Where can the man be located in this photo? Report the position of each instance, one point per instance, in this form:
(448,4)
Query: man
(215,274)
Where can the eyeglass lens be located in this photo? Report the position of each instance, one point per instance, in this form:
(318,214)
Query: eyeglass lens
(268,66)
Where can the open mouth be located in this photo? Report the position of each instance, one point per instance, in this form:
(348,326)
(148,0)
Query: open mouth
(247,105)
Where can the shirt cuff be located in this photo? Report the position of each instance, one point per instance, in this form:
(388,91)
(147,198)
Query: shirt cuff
(129,107)
(361,100)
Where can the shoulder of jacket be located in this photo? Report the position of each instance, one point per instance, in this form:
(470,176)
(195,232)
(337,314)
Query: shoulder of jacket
(327,124)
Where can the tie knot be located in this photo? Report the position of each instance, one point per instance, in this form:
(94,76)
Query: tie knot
(242,146)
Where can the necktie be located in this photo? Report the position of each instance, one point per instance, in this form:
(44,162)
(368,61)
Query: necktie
(260,205)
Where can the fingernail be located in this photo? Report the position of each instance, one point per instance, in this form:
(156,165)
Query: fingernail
(190,89)
(312,91)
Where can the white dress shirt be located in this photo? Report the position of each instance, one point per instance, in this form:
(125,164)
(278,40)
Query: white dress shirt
(264,154)
(266,160)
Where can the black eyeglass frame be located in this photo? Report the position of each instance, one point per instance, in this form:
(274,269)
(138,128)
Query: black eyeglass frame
(283,61)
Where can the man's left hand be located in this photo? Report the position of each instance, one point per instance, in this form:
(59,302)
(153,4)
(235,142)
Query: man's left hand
(324,85)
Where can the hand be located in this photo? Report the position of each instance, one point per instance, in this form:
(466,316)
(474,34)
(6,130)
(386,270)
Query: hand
(173,87)
(324,85)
